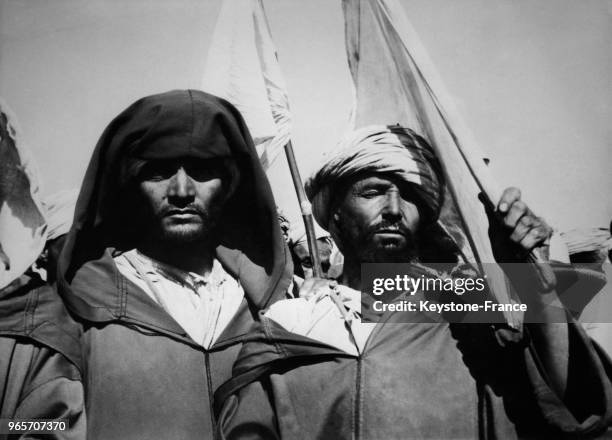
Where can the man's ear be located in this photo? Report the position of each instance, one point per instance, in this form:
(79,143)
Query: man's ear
(335,223)
(336,230)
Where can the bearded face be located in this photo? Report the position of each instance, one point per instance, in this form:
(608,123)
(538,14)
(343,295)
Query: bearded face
(180,201)
(376,220)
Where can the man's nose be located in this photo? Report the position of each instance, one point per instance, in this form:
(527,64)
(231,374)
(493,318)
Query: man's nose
(392,208)
(181,186)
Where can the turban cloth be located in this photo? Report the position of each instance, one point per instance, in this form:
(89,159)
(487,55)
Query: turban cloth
(297,234)
(391,150)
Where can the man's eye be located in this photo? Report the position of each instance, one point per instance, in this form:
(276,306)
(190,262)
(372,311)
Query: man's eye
(156,172)
(370,193)
(200,174)
(156,177)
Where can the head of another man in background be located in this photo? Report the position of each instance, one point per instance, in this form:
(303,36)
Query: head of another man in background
(300,253)
(376,194)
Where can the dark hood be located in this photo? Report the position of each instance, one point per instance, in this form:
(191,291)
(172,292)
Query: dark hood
(176,124)
(32,310)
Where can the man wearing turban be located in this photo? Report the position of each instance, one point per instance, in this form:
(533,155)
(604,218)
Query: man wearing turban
(174,248)
(298,245)
(325,374)
(391,151)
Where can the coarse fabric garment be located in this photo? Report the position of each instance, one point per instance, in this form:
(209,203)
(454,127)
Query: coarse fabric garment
(319,318)
(407,381)
(392,150)
(40,361)
(145,376)
(203,306)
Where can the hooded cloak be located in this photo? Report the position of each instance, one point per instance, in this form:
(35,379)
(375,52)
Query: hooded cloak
(181,124)
(146,378)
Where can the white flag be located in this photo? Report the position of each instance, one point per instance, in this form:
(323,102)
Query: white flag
(242,67)
(396,83)
(22,225)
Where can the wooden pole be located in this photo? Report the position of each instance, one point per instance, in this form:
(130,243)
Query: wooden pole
(306,209)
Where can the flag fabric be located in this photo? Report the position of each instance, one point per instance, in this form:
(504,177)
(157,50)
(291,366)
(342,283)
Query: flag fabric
(242,67)
(395,82)
(22,225)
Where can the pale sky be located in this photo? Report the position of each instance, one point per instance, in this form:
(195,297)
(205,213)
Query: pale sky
(531,79)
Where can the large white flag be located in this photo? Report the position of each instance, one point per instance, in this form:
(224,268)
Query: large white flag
(22,225)
(396,82)
(242,67)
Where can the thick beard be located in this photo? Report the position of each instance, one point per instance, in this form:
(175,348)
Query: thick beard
(179,235)
(367,252)
(370,253)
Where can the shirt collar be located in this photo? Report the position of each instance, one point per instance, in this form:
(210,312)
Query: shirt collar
(192,280)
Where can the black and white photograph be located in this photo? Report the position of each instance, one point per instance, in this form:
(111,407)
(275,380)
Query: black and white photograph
(305,219)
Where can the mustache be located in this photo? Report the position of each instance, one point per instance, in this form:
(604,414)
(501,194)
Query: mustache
(397,227)
(188,209)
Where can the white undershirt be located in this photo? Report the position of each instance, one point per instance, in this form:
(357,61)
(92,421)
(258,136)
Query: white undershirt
(202,306)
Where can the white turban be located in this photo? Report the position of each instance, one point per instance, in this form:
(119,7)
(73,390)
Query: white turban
(59,211)
(297,234)
(390,150)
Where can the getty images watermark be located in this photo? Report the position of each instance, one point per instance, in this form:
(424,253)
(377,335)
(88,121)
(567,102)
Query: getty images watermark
(467,293)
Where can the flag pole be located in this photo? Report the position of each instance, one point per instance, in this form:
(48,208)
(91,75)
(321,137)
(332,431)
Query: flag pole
(306,209)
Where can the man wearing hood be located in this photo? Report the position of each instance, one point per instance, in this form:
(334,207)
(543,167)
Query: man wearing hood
(39,353)
(174,248)
(315,371)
